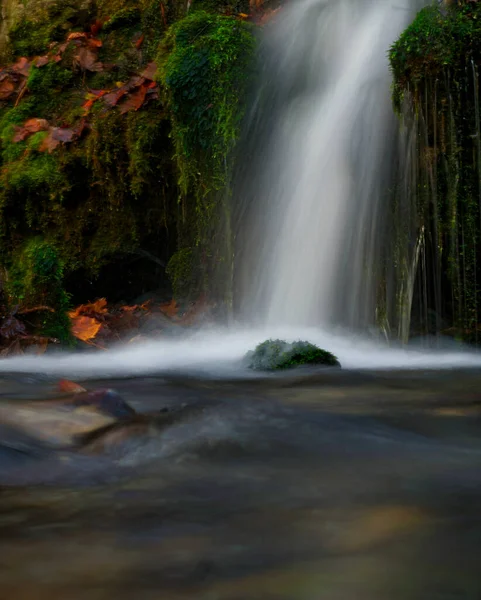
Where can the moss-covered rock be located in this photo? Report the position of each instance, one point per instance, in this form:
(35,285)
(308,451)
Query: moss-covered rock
(35,279)
(436,91)
(274,355)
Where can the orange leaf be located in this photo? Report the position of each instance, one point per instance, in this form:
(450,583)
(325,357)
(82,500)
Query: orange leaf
(7,87)
(22,66)
(135,100)
(139,42)
(98,307)
(70,387)
(85,328)
(76,35)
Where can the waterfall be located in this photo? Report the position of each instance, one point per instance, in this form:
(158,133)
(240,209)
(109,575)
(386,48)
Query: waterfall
(314,184)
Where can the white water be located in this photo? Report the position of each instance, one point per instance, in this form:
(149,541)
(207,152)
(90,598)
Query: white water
(314,227)
(317,195)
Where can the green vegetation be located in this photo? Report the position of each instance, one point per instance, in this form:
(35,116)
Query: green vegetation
(36,280)
(205,65)
(146,179)
(274,355)
(435,64)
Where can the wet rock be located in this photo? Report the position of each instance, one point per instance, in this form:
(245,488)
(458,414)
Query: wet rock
(274,355)
(107,401)
(55,425)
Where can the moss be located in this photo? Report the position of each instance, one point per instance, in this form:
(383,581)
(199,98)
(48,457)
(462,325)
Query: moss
(179,272)
(274,355)
(205,65)
(436,92)
(40,24)
(35,278)
(126,16)
(435,40)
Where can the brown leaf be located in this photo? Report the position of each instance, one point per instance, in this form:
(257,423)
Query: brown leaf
(87,59)
(139,42)
(7,87)
(134,100)
(112,98)
(29,127)
(22,66)
(42,61)
(85,328)
(150,71)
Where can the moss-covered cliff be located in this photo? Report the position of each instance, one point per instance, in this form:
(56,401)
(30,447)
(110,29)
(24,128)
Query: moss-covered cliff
(117,123)
(436,91)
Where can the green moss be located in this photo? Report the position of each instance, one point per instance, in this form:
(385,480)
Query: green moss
(126,16)
(42,24)
(179,272)
(435,40)
(205,66)
(274,355)
(35,278)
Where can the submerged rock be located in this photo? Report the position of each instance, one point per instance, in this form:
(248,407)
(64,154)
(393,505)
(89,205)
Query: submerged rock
(278,354)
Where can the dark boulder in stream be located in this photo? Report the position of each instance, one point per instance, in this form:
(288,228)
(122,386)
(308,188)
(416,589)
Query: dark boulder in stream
(274,355)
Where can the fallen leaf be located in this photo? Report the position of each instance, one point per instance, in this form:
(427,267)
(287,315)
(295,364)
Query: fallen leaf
(150,71)
(86,59)
(22,66)
(134,100)
(99,307)
(139,42)
(85,328)
(42,61)
(76,35)
(7,87)
(70,387)
(112,98)
(31,126)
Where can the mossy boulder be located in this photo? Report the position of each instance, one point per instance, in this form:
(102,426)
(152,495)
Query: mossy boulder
(273,355)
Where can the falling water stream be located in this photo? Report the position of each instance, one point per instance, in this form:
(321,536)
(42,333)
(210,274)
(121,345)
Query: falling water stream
(323,163)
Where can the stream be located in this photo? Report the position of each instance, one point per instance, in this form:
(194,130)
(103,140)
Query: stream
(315,484)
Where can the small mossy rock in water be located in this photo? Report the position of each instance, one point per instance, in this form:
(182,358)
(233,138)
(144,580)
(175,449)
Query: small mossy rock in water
(278,354)
(108,402)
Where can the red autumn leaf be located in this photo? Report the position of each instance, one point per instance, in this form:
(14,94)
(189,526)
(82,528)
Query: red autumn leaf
(42,61)
(22,66)
(150,71)
(70,387)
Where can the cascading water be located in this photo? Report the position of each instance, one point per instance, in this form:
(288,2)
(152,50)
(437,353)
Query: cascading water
(323,131)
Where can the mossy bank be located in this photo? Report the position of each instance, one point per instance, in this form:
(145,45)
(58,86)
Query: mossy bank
(118,121)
